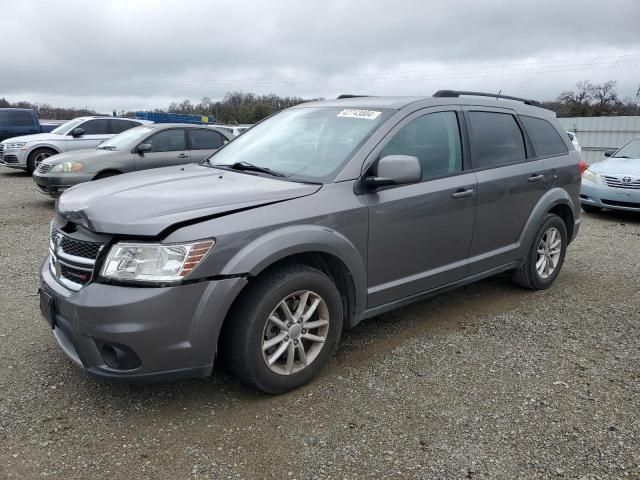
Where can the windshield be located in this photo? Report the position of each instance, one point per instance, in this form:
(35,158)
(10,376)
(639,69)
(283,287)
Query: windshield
(307,144)
(630,150)
(126,139)
(66,126)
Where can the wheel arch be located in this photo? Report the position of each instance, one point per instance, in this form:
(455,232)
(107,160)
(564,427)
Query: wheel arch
(556,201)
(46,146)
(319,247)
(115,171)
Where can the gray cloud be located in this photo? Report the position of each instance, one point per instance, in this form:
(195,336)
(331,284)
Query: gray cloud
(139,54)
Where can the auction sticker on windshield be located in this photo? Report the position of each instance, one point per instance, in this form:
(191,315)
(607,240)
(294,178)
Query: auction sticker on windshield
(353,113)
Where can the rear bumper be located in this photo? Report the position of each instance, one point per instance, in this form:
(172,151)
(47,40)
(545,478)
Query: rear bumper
(602,196)
(171,331)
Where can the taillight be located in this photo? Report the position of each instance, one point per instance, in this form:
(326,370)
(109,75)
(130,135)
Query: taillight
(582,166)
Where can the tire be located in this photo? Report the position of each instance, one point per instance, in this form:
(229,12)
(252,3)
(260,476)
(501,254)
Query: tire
(37,156)
(591,208)
(528,275)
(251,338)
(102,175)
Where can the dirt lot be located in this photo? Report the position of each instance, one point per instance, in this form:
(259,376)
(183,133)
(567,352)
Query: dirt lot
(490,381)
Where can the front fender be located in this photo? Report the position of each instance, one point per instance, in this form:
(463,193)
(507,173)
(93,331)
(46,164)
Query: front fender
(284,242)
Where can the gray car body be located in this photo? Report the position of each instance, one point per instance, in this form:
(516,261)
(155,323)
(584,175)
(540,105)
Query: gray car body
(98,162)
(384,248)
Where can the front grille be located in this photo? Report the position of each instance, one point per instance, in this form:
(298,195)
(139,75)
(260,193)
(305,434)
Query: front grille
(44,167)
(9,159)
(72,260)
(622,181)
(615,203)
(1,150)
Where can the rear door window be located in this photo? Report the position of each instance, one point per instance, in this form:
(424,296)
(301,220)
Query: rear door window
(545,138)
(119,126)
(496,139)
(201,139)
(22,119)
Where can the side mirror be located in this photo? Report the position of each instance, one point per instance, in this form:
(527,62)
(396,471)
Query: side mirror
(77,132)
(608,153)
(395,170)
(143,147)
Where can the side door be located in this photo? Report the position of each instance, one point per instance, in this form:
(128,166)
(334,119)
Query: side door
(24,123)
(96,131)
(203,142)
(420,234)
(168,147)
(511,181)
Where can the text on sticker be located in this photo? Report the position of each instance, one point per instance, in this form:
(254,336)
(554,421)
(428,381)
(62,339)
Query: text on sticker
(353,113)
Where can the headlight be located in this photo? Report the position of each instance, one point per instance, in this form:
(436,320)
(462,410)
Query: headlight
(591,176)
(16,144)
(149,262)
(67,167)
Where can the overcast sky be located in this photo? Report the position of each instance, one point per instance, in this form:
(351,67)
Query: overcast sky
(137,54)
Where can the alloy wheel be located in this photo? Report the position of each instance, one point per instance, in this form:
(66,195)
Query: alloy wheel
(295,332)
(548,253)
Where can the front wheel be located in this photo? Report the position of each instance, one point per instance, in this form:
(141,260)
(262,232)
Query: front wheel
(36,157)
(546,255)
(283,329)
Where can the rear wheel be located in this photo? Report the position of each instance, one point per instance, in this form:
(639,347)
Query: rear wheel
(36,157)
(546,255)
(283,330)
(591,208)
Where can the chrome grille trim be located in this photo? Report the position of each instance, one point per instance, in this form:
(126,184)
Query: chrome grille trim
(616,181)
(72,262)
(44,167)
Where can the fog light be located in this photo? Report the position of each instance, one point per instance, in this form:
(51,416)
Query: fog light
(119,357)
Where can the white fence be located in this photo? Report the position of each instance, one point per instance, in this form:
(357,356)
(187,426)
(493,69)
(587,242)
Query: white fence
(598,134)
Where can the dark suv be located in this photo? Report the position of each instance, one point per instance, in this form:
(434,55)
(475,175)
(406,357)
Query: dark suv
(320,216)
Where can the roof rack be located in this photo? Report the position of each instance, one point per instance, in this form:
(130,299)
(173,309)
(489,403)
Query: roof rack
(457,93)
(348,95)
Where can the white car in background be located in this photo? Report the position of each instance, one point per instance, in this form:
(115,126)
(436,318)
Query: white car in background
(28,151)
(574,140)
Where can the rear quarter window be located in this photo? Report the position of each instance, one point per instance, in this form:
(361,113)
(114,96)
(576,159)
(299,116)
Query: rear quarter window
(545,138)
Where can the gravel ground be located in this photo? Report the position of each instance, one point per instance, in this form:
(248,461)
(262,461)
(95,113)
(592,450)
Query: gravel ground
(489,381)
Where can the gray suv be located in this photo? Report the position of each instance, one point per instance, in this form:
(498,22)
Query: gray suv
(319,217)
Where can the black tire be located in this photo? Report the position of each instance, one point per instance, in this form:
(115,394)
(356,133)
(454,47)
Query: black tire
(245,327)
(591,208)
(527,274)
(102,175)
(37,156)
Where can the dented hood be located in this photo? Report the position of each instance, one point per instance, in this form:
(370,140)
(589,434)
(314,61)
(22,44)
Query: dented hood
(146,203)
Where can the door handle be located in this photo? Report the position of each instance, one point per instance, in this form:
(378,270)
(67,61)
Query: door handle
(183,155)
(535,178)
(463,193)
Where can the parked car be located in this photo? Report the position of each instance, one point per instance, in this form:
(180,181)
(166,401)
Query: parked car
(269,249)
(613,183)
(21,121)
(140,148)
(26,152)
(234,130)
(574,139)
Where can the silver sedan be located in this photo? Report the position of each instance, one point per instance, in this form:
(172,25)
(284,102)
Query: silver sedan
(148,146)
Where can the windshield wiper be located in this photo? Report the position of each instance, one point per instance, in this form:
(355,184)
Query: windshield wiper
(105,147)
(249,167)
(621,156)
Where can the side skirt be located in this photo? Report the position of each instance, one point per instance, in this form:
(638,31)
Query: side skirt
(372,312)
